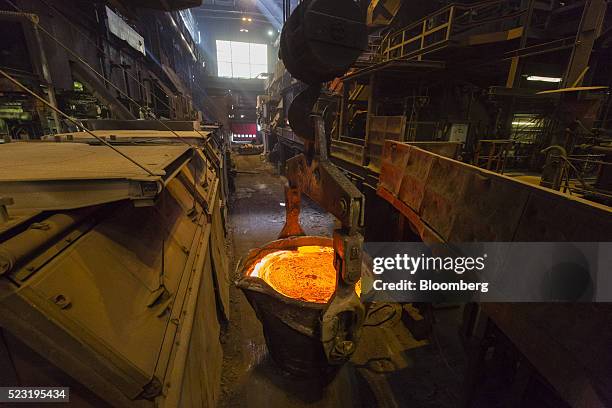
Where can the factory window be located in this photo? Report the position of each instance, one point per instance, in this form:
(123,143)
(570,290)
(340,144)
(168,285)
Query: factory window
(241,60)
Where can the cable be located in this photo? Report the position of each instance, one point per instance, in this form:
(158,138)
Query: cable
(104,142)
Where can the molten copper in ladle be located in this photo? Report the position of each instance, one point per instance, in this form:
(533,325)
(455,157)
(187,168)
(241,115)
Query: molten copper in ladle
(290,283)
(306,273)
(304,289)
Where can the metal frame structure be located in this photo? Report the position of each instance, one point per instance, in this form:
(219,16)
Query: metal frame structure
(438,30)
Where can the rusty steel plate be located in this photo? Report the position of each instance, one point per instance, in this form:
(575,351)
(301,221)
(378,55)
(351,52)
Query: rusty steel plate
(416,173)
(462,203)
(394,161)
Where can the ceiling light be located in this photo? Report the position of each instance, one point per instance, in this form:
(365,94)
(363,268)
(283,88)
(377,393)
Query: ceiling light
(524,123)
(543,78)
(270,33)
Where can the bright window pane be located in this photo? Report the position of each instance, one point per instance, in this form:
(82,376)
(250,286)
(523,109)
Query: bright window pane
(240,52)
(224,69)
(259,54)
(224,51)
(241,60)
(241,70)
(258,69)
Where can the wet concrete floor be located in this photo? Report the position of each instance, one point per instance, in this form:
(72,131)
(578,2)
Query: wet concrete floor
(389,369)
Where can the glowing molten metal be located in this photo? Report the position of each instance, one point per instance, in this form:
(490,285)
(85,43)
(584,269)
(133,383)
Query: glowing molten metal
(306,273)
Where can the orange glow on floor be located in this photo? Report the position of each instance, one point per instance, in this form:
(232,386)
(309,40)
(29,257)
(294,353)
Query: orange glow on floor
(306,274)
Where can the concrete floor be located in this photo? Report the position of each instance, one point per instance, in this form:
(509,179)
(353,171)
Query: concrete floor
(389,369)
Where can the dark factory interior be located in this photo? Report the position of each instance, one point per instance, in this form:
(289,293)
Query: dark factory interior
(306,203)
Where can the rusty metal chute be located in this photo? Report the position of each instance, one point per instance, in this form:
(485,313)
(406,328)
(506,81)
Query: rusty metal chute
(118,292)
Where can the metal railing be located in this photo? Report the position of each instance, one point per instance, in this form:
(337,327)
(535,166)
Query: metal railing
(436,30)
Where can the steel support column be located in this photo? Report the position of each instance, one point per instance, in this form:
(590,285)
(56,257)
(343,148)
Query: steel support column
(588,31)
